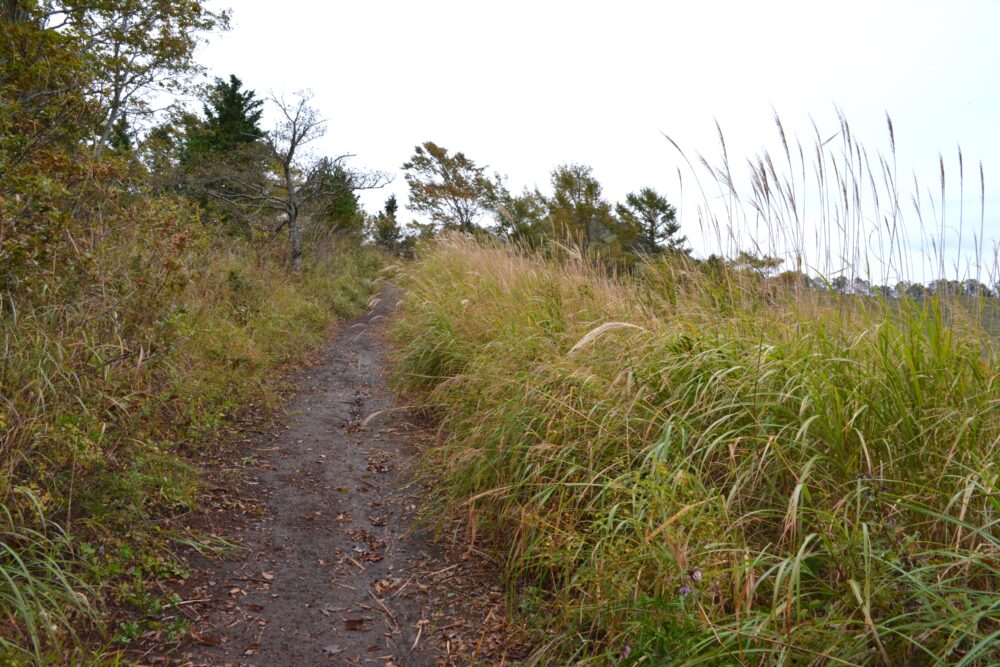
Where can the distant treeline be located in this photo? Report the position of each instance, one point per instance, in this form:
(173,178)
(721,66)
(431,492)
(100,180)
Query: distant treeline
(453,193)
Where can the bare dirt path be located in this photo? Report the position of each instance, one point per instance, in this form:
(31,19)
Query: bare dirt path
(331,570)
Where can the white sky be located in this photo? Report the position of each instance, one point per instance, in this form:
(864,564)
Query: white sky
(524,86)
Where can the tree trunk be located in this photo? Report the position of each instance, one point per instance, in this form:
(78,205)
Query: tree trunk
(295,240)
(15,11)
(294,233)
(114,110)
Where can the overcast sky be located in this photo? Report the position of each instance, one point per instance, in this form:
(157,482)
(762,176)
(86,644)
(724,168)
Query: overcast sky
(524,86)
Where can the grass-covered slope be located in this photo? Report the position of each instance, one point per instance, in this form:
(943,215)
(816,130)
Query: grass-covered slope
(685,470)
(113,383)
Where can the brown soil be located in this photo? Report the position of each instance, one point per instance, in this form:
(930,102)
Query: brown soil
(332,567)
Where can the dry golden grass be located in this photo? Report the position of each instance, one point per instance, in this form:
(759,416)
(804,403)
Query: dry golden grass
(693,468)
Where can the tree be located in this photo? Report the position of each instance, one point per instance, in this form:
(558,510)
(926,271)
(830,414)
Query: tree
(45,115)
(762,265)
(232,121)
(517,217)
(449,189)
(336,209)
(213,153)
(44,76)
(944,287)
(655,219)
(975,288)
(906,288)
(297,182)
(391,207)
(385,228)
(794,279)
(122,138)
(16,11)
(130,49)
(301,125)
(137,48)
(577,210)
(861,287)
(70,72)
(883,292)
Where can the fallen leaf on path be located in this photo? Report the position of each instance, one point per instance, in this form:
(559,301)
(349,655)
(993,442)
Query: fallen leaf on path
(202,639)
(327,609)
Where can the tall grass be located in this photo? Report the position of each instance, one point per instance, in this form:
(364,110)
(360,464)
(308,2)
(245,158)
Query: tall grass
(749,472)
(830,206)
(112,385)
(42,601)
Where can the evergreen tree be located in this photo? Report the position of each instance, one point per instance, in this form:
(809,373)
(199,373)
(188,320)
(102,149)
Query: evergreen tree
(337,208)
(391,207)
(654,218)
(385,228)
(121,137)
(232,121)
(232,114)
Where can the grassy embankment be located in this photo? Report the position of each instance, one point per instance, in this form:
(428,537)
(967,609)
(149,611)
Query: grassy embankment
(686,469)
(694,464)
(113,386)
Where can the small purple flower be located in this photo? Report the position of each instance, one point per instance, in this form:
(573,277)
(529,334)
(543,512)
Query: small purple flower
(685,590)
(695,575)
(626,651)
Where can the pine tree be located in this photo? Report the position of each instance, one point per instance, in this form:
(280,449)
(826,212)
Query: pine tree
(233,115)
(385,228)
(656,220)
(338,209)
(232,121)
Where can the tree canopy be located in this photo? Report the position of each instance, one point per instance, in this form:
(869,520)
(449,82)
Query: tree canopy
(385,228)
(450,189)
(654,217)
(232,120)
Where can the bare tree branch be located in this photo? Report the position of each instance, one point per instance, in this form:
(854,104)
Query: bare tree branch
(295,179)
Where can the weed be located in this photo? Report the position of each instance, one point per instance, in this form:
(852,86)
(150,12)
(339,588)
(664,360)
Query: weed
(43,604)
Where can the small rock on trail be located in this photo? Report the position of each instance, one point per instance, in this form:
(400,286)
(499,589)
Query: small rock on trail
(331,570)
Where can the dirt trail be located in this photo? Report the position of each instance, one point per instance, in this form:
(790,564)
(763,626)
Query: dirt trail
(331,570)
